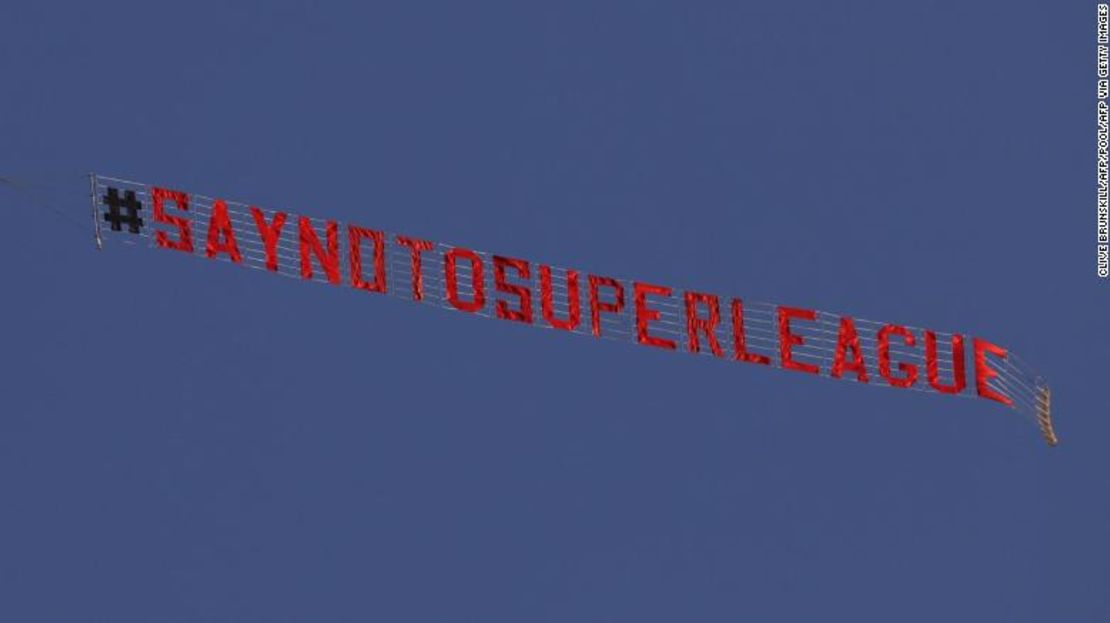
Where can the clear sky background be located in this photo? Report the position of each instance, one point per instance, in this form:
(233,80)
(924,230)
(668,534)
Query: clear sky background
(191,441)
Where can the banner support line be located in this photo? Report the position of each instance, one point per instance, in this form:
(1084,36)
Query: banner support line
(1044,416)
(96,222)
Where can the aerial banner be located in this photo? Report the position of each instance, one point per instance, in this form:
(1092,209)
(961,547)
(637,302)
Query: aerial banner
(809,342)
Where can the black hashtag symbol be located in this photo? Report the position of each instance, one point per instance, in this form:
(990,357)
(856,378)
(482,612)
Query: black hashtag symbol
(128,203)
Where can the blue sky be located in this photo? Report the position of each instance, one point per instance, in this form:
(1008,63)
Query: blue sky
(183,441)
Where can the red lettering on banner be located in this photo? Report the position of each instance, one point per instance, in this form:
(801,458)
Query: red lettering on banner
(547,306)
(932,368)
(184,240)
(355,236)
(847,339)
(270,235)
(788,340)
(645,314)
(523,313)
(801,335)
(908,369)
(219,226)
(708,326)
(739,340)
(416,246)
(477,284)
(596,306)
(983,372)
(329,260)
